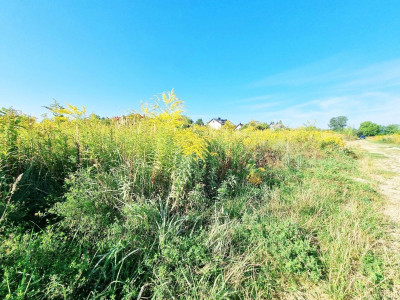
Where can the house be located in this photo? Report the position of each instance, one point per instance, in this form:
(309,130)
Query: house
(238,126)
(216,123)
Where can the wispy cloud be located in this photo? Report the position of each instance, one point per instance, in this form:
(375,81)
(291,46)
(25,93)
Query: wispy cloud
(377,76)
(329,88)
(325,71)
(379,107)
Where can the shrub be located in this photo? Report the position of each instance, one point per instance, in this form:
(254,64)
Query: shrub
(368,128)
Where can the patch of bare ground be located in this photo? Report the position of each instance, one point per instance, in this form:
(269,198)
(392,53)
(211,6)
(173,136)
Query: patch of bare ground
(382,168)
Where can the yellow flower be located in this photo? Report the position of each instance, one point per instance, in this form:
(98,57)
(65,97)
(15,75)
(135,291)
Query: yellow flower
(254,178)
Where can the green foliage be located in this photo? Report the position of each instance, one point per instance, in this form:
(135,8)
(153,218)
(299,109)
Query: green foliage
(388,139)
(256,125)
(148,206)
(199,122)
(368,128)
(310,126)
(228,125)
(390,129)
(187,122)
(285,246)
(350,132)
(373,268)
(338,123)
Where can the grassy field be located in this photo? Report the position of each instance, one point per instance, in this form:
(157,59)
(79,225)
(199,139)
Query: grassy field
(149,207)
(388,139)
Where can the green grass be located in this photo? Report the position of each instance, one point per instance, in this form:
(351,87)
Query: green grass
(390,145)
(376,155)
(315,228)
(386,173)
(104,211)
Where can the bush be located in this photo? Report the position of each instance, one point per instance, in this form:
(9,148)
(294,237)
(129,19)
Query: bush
(368,129)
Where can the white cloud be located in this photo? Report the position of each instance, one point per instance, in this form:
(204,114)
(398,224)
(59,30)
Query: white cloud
(329,88)
(377,76)
(377,107)
(324,71)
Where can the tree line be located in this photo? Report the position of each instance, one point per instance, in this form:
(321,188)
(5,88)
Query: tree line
(366,128)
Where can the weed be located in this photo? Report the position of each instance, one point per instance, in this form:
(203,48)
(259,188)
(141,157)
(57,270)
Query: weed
(146,206)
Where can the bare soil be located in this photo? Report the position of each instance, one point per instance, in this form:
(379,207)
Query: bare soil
(385,173)
(387,162)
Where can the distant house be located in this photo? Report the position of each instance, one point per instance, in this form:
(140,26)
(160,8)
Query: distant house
(216,123)
(238,126)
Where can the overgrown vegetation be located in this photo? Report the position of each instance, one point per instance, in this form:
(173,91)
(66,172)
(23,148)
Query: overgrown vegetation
(388,139)
(367,128)
(148,207)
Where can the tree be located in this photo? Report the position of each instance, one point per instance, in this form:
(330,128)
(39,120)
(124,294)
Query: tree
(187,122)
(199,122)
(390,129)
(256,125)
(262,126)
(368,128)
(338,123)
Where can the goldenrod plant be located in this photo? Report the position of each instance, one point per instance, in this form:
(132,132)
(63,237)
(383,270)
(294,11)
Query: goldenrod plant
(387,139)
(144,206)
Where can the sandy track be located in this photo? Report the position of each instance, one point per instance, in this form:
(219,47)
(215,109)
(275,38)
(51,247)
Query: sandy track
(387,162)
(389,186)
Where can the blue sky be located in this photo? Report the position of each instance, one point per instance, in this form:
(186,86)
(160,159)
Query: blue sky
(295,61)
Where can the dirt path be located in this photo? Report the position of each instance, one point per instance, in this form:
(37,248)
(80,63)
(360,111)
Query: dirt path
(386,173)
(387,162)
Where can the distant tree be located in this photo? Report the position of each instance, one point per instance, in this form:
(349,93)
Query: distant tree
(368,128)
(262,126)
(187,121)
(250,124)
(199,122)
(338,123)
(256,125)
(390,129)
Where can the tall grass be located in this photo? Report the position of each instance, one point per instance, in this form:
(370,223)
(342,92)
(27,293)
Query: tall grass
(388,139)
(149,207)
